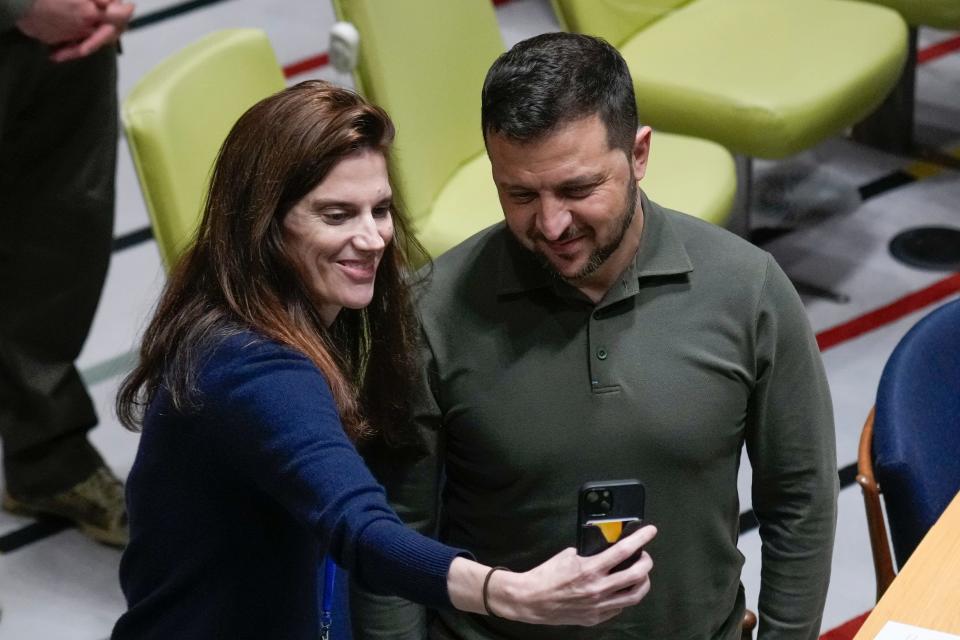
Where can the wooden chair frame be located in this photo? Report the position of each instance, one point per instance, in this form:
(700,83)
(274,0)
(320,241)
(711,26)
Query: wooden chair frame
(879,542)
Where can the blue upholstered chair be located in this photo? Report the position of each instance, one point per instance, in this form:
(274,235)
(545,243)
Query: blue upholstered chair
(910,446)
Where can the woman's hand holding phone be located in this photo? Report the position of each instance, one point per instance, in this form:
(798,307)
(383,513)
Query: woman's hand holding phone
(566,589)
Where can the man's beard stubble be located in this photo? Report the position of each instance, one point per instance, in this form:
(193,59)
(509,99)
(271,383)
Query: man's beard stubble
(601,254)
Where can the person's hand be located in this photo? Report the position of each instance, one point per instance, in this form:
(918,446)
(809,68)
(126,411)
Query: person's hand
(114,17)
(570,589)
(54,22)
(75,28)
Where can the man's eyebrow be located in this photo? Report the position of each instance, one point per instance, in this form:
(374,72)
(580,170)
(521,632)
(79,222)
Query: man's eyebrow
(583,181)
(572,183)
(509,186)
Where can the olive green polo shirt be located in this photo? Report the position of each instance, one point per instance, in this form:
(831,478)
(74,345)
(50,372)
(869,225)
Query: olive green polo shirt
(700,347)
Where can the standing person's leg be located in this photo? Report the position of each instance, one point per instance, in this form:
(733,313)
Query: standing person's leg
(58,142)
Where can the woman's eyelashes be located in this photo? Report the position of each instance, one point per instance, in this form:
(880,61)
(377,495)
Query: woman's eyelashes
(339,216)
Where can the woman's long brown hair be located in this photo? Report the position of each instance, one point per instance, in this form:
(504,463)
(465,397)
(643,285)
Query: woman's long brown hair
(237,276)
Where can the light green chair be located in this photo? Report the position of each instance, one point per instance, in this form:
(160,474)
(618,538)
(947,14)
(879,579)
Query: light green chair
(179,114)
(424,61)
(764,78)
(891,128)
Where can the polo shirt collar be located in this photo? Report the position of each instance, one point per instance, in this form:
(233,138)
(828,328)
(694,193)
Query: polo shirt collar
(661,252)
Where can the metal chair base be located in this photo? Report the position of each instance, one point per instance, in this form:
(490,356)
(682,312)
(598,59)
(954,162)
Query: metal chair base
(932,248)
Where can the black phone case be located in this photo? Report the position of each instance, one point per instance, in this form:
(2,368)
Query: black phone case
(628,504)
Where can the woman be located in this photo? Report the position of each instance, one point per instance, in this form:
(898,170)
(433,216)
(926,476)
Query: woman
(283,336)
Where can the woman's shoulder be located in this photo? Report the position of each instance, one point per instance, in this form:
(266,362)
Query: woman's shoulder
(244,356)
(239,345)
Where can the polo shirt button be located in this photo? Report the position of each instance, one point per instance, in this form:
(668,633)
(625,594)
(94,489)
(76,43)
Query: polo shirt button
(602,354)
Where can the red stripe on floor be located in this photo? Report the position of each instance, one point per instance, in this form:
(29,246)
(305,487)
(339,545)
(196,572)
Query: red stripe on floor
(938,50)
(847,630)
(307,64)
(890,313)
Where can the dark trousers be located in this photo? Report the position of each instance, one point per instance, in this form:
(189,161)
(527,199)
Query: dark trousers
(58,145)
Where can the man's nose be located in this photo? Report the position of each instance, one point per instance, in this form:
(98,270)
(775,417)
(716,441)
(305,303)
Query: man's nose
(554,217)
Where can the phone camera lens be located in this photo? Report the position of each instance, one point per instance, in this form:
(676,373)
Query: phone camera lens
(605,505)
(592,497)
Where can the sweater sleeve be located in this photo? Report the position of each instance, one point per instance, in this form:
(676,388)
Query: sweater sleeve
(792,449)
(11,11)
(412,480)
(270,413)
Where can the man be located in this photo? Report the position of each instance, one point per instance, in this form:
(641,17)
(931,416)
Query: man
(58,144)
(598,336)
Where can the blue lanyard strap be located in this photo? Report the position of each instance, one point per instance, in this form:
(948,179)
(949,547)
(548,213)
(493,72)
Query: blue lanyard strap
(326,608)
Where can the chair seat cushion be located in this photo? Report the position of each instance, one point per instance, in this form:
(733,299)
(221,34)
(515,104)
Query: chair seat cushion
(691,175)
(688,174)
(942,14)
(466,204)
(766,78)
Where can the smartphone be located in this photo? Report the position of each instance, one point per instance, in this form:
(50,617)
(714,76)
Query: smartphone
(607,511)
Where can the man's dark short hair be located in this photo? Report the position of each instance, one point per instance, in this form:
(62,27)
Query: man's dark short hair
(553,79)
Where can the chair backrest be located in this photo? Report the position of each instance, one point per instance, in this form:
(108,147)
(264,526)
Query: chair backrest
(916,433)
(179,114)
(405,66)
(612,20)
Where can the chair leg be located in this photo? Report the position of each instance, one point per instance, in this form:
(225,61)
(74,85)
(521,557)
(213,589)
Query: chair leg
(740,220)
(742,225)
(890,128)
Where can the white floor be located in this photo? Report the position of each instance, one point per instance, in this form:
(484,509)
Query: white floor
(66,587)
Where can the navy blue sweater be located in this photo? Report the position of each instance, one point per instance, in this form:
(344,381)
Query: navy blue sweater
(233,505)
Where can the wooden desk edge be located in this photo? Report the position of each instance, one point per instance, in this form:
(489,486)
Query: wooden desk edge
(912,598)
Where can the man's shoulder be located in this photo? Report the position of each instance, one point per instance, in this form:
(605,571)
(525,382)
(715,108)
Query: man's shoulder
(472,265)
(727,272)
(713,248)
